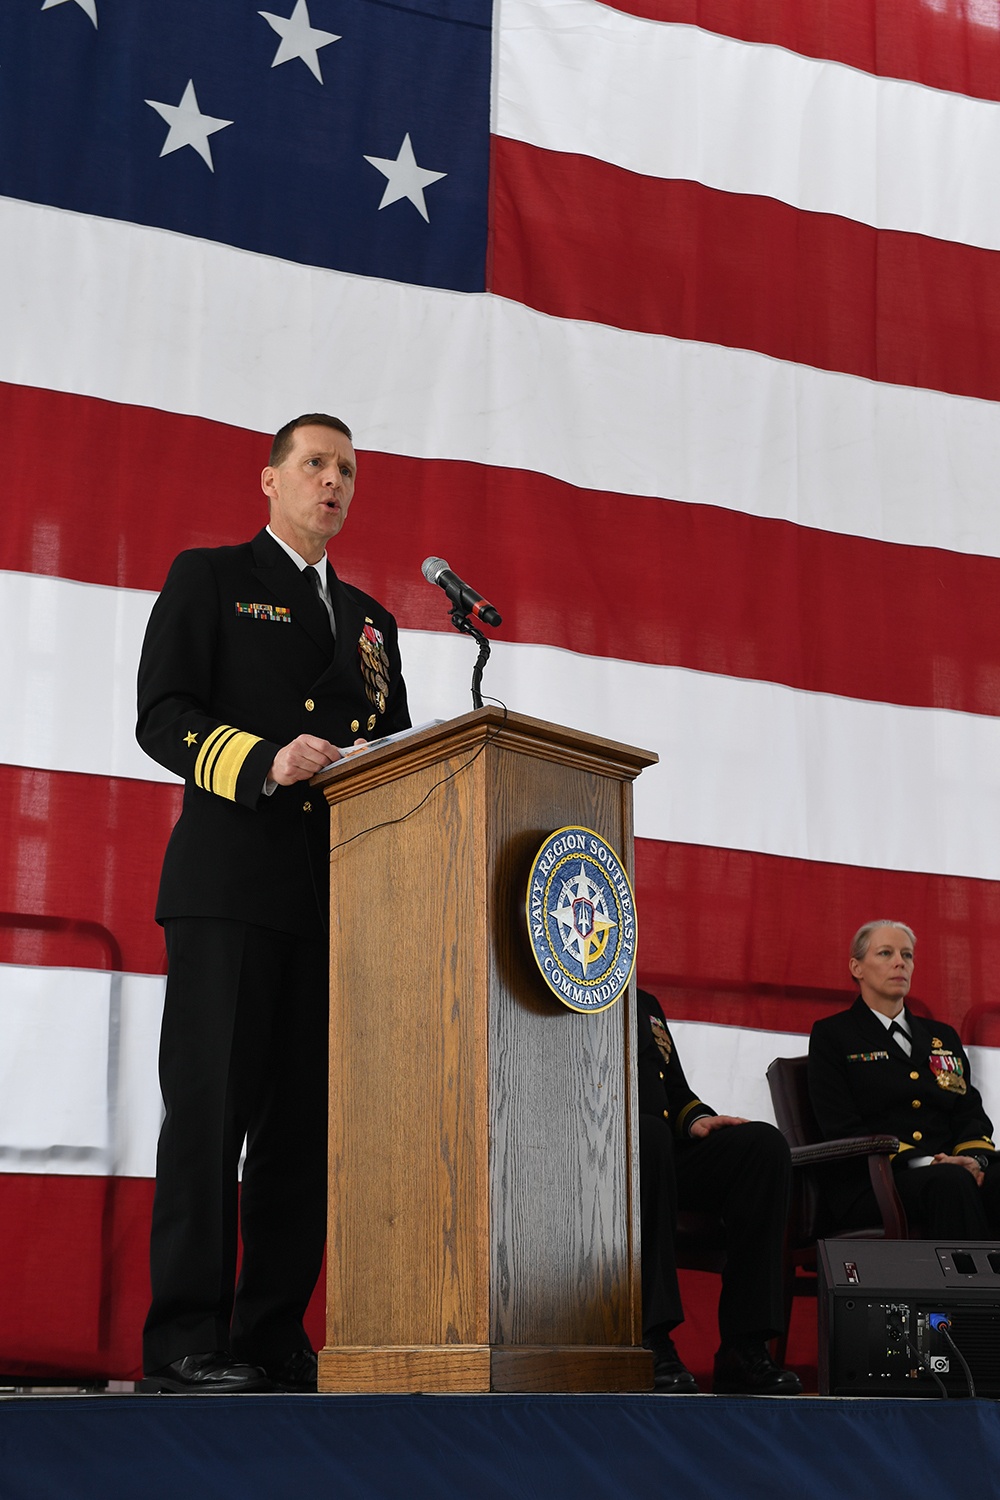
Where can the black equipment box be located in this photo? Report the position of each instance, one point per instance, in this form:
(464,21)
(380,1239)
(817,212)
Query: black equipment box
(888,1307)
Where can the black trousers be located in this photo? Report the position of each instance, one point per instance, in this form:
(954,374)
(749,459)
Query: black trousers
(939,1200)
(243,1055)
(742,1173)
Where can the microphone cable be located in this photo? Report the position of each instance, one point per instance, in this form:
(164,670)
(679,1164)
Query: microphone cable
(389,822)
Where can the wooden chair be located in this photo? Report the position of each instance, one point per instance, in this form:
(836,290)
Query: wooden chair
(786,1078)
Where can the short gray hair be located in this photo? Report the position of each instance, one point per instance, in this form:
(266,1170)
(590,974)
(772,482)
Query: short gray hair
(862,938)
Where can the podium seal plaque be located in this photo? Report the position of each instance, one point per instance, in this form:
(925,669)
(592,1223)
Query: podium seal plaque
(581,919)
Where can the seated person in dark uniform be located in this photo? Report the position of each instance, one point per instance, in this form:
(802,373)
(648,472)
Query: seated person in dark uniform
(692,1158)
(879,1069)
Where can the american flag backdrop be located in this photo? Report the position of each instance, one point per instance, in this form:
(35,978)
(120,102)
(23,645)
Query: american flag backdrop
(673,325)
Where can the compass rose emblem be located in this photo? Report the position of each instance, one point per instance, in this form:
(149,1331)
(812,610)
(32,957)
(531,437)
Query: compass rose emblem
(581,914)
(581,919)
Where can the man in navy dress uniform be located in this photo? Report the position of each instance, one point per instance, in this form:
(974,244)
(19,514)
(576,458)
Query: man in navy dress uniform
(258,663)
(690,1157)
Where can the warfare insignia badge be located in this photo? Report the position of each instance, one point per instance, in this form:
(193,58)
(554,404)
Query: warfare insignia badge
(374,664)
(581,919)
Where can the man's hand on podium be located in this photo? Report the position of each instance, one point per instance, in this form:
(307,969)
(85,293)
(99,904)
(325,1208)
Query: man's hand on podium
(303,757)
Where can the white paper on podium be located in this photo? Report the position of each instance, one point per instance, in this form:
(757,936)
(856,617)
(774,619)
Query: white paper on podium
(385,739)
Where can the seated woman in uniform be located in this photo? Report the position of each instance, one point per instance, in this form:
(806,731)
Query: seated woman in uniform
(880,1069)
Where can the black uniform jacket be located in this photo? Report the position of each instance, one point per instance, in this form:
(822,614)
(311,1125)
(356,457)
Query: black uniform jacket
(663,1089)
(237,661)
(861,1083)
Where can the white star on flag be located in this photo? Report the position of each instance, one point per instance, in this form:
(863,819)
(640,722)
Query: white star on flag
(188,126)
(405,178)
(299,38)
(89,7)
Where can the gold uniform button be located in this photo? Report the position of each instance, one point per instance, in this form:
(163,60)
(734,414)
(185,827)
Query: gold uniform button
(914,1076)
(371,722)
(918,1135)
(916,1104)
(666,1114)
(307,807)
(355,726)
(661,1075)
(310,705)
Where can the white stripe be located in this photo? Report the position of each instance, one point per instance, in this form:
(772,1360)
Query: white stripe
(726,1066)
(79,1096)
(441,375)
(984,1063)
(69,689)
(78,1086)
(673,101)
(756,765)
(743,764)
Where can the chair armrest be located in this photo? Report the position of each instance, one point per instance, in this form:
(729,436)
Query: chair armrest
(842,1150)
(878,1149)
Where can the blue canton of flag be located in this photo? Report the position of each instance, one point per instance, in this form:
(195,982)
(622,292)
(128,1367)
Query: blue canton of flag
(350,134)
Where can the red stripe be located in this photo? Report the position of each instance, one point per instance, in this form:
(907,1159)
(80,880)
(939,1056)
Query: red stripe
(86,849)
(745,939)
(752,273)
(117,491)
(74,1255)
(74,1264)
(941,46)
(707,589)
(760,941)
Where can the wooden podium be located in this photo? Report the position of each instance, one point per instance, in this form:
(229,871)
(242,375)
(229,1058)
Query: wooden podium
(484,1205)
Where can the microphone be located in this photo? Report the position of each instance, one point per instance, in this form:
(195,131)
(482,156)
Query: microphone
(436,570)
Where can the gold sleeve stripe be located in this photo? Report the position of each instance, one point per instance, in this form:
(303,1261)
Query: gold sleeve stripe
(205,770)
(972,1146)
(692,1104)
(205,752)
(221,759)
(230,762)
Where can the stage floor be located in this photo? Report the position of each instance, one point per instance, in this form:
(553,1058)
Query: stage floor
(495,1448)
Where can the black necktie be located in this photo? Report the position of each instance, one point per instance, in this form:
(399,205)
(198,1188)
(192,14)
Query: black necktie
(901,1038)
(328,612)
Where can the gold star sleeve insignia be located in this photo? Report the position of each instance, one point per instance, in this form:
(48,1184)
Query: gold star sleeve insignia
(190,738)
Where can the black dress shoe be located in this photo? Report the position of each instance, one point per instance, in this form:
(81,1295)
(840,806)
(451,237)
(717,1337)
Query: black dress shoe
(217,1373)
(670,1376)
(747,1369)
(296,1373)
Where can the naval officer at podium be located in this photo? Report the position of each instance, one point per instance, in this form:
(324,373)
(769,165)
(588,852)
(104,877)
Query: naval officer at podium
(258,662)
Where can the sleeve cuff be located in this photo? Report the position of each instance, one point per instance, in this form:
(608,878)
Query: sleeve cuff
(693,1110)
(221,758)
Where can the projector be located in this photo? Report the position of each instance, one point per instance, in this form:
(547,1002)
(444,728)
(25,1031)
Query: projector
(908,1318)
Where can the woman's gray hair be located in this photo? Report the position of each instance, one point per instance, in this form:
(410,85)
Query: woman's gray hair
(863,936)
